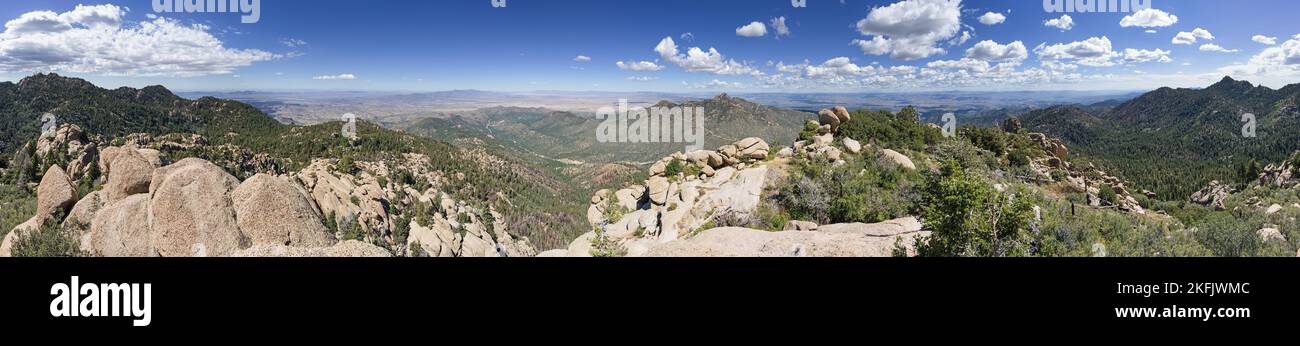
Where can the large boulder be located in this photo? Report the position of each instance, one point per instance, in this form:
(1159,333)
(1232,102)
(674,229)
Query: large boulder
(827,117)
(128,172)
(862,241)
(55,193)
(854,147)
(753,148)
(83,213)
(1213,195)
(121,229)
(658,190)
(843,114)
(900,159)
(350,248)
(581,247)
(881,229)
(274,211)
(191,213)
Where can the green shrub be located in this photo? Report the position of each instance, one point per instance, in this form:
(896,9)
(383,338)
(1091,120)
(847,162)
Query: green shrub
(1107,195)
(858,191)
(1226,236)
(1018,158)
(969,219)
(673,168)
(50,240)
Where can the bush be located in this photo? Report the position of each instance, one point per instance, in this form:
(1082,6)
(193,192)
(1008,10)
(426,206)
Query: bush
(969,219)
(416,251)
(401,228)
(613,211)
(1107,195)
(857,191)
(50,240)
(346,165)
(990,139)
(673,168)
(1018,158)
(809,131)
(1226,236)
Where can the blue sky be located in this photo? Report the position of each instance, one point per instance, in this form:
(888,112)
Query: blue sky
(532,45)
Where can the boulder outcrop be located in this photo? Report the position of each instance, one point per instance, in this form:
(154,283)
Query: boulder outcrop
(191,212)
(274,211)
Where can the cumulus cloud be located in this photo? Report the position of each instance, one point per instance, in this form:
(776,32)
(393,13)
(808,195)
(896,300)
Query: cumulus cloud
(699,60)
(1065,23)
(992,18)
(639,66)
(910,29)
(992,51)
(1142,55)
(1210,47)
(1095,52)
(779,27)
(582,58)
(754,29)
(1149,18)
(94,39)
(345,76)
(1280,61)
(1264,39)
(1191,37)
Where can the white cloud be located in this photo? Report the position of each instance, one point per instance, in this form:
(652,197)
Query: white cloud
(293,42)
(582,58)
(837,68)
(1280,64)
(642,79)
(992,18)
(965,36)
(1142,55)
(1095,52)
(1065,23)
(698,60)
(640,66)
(1264,39)
(1210,47)
(992,51)
(94,39)
(1191,37)
(716,84)
(910,29)
(779,27)
(965,64)
(1149,18)
(754,29)
(345,76)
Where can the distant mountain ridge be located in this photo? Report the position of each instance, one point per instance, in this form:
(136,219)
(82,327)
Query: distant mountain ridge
(1174,141)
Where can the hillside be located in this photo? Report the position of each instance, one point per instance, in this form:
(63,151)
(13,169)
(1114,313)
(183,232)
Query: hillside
(1175,141)
(570,136)
(243,141)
